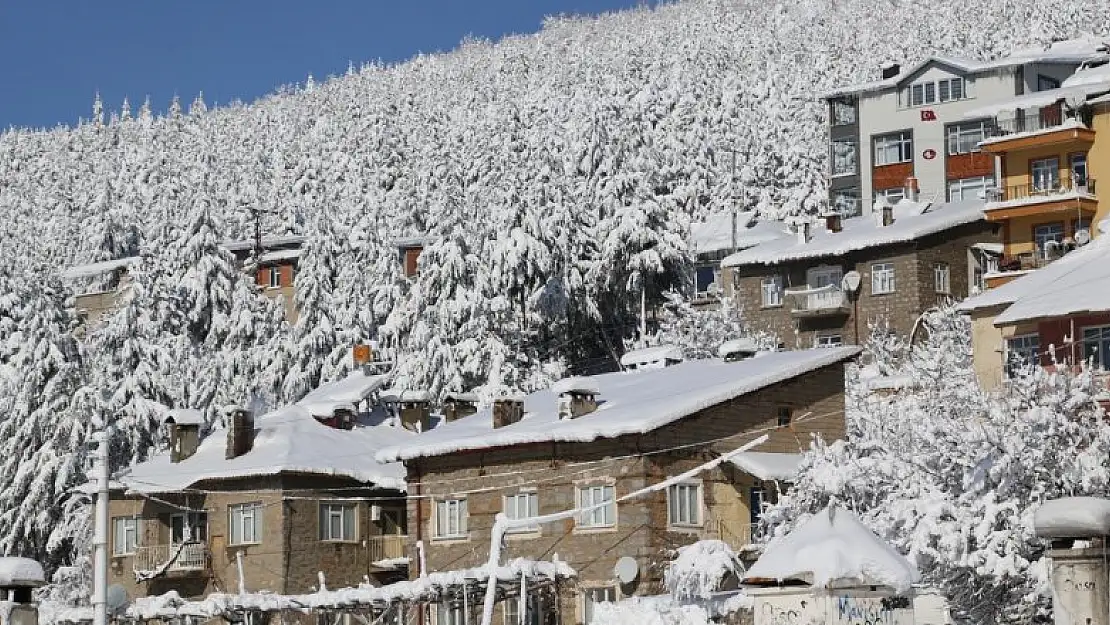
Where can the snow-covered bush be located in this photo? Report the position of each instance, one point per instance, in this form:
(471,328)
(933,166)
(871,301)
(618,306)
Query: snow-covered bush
(698,570)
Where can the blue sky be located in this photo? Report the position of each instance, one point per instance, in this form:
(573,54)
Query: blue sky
(55,54)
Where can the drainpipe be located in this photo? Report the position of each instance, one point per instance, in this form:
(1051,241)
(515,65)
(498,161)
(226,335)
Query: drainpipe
(419,530)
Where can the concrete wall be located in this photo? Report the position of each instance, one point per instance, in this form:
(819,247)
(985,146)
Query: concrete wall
(641,530)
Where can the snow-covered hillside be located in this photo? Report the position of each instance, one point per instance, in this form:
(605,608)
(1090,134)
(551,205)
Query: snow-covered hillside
(556,174)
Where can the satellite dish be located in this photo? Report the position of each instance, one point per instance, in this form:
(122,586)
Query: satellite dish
(626,570)
(850,281)
(117,599)
(1082,237)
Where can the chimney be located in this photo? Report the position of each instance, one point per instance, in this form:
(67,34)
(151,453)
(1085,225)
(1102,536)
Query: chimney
(888,215)
(416,410)
(1077,557)
(577,396)
(890,70)
(733,230)
(832,222)
(240,433)
(803,232)
(910,189)
(184,433)
(507,410)
(459,405)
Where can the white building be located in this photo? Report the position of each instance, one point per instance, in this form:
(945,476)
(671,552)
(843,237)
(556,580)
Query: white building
(912,124)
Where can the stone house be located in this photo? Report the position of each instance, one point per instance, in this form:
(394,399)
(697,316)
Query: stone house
(823,284)
(588,442)
(274,501)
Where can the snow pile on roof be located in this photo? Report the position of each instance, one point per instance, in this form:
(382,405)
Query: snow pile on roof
(342,394)
(768,466)
(288,440)
(286,240)
(396,395)
(92,270)
(275,256)
(635,402)
(698,569)
(715,233)
(576,384)
(649,356)
(185,416)
(912,221)
(833,548)
(21,572)
(737,346)
(1073,517)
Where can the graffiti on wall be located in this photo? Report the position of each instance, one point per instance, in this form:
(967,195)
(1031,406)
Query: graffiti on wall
(872,611)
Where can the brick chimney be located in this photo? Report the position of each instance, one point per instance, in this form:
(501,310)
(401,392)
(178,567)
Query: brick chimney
(416,411)
(240,432)
(507,410)
(184,432)
(577,396)
(833,222)
(911,191)
(459,405)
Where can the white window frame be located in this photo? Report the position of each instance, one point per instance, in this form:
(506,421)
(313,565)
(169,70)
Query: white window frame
(828,340)
(980,186)
(823,275)
(684,505)
(1030,340)
(528,500)
(1050,231)
(594,595)
(442,512)
(843,157)
(275,277)
(197,522)
(770,290)
(837,107)
(893,195)
(899,142)
(244,519)
(937,91)
(1044,174)
(1097,336)
(347,515)
(964,138)
(602,517)
(942,278)
(882,279)
(125,535)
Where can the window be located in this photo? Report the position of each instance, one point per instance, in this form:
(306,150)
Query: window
(894,148)
(965,138)
(523,506)
(893,195)
(275,277)
(817,277)
(942,278)
(1044,83)
(337,522)
(978,281)
(537,608)
(192,526)
(684,505)
(943,90)
(1079,169)
(827,340)
(757,495)
(245,520)
(1045,173)
(449,614)
(882,278)
(704,276)
(1048,238)
(125,535)
(843,113)
(602,516)
(969,188)
(784,416)
(845,157)
(771,291)
(951,89)
(593,596)
(846,202)
(1022,352)
(1096,347)
(450,519)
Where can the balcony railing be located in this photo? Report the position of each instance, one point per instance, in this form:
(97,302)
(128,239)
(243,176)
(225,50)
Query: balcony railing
(191,556)
(1046,189)
(817,301)
(1046,118)
(387,548)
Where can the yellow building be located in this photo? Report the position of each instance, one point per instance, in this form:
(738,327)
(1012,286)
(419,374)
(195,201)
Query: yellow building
(1049,158)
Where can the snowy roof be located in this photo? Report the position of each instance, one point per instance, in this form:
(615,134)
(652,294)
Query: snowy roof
(715,233)
(275,256)
(833,548)
(285,240)
(342,394)
(768,466)
(398,395)
(289,440)
(1077,283)
(576,384)
(650,355)
(20,572)
(1073,517)
(412,242)
(735,346)
(858,233)
(462,397)
(185,416)
(632,402)
(96,269)
(1037,99)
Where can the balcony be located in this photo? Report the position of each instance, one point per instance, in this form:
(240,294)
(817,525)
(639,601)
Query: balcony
(388,552)
(1037,128)
(821,301)
(156,560)
(1042,198)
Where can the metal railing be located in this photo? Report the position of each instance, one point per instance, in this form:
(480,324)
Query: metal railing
(391,547)
(191,556)
(817,300)
(1045,189)
(1045,118)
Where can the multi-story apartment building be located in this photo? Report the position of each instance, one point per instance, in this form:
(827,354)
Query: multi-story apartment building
(912,123)
(717,236)
(822,285)
(274,502)
(591,442)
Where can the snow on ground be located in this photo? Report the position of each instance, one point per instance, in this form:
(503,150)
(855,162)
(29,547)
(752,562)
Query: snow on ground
(632,402)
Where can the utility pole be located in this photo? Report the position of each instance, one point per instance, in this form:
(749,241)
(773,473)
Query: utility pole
(100,537)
